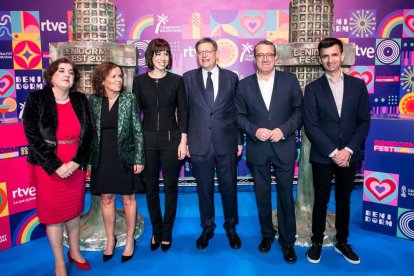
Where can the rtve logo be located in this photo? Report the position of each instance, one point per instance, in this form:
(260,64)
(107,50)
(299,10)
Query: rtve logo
(23,192)
(50,26)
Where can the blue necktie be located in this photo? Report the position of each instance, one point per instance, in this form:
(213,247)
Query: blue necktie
(209,91)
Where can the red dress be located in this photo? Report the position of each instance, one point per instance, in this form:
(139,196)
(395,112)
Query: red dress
(58,199)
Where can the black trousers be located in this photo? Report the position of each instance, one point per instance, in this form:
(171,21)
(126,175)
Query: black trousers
(161,152)
(285,202)
(203,168)
(322,183)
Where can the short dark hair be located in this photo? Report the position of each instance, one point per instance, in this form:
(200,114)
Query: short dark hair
(54,66)
(100,73)
(155,46)
(328,42)
(207,40)
(264,42)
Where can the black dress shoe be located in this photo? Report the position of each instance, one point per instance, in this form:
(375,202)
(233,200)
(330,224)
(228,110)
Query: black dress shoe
(289,254)
(154,246)
(165,246)
(234,240)
(202,241)
(127,258)
(105,257)
(266,244)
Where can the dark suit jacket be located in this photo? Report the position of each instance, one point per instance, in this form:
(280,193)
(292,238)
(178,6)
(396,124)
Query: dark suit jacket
(325,129)
(216,125)
(285,112)
(130,141)
(40,124)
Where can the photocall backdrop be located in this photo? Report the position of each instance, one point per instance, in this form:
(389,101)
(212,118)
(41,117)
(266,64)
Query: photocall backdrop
(383,32)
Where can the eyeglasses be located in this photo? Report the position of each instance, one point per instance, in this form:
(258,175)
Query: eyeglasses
(268,55)
(206,52)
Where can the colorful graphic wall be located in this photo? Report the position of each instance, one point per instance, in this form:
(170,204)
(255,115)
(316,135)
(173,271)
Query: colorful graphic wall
(388,195)
(383,32)
(18,220)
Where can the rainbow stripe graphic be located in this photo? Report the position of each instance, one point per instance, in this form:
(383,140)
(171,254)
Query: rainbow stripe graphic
(4,207)
(391,21)
(25,228)
(139,26)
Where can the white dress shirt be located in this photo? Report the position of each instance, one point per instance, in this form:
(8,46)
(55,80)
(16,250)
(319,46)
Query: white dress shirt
(266,88)
(337,88)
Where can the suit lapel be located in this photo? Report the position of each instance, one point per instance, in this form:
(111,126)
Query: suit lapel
(221,86)
(277,86)
(200,86)
(329,95)
(346,95)
(121,114)
(51,105)
(258,93)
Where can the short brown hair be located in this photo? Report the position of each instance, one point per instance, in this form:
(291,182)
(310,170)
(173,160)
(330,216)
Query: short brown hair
(328,42)
(264,42)
(155,46)
(54,66)
(100,73)
(207,40)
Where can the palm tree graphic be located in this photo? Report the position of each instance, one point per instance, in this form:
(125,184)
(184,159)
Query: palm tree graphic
(246,48)
(162,19)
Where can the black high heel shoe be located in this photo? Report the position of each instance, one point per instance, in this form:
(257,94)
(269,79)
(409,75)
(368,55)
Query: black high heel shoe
(154,246)
(108,257)
(127,258)
(166,246)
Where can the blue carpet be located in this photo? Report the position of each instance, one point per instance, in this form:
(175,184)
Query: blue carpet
(380,254)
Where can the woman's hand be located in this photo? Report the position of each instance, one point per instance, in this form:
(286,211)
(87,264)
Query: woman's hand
(182,150)
(138,169)
(63,171)
(73,166)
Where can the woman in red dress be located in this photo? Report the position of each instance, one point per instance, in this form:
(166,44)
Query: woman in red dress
(58,126)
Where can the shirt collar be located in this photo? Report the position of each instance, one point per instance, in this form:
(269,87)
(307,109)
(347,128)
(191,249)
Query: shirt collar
(272,76)
(332,80)
(213,71)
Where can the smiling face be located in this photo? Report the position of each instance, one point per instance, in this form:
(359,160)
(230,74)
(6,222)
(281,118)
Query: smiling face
(207,55)
(331,59)
(113,81)
(160,60)
(63,78)
(265,59)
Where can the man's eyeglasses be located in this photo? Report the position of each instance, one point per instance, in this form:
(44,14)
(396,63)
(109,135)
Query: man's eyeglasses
(268,55)
(205,53)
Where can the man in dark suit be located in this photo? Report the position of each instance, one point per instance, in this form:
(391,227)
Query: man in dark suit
(269,110)
(213,139)
(336,117)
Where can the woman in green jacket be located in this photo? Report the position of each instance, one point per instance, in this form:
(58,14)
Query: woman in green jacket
(117,152)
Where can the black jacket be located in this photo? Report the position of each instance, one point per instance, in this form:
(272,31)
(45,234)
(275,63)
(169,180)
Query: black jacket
(40,125)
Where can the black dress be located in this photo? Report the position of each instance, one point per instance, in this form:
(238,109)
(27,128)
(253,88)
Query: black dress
(108,177)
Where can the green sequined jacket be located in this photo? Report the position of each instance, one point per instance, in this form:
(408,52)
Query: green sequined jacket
(130,140)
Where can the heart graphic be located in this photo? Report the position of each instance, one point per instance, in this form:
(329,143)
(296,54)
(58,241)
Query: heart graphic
(252,24)
(5,83)
(380,189)
(366,76)
(409,22)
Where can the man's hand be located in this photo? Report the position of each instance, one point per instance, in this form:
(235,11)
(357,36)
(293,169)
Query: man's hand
(263,134)
(276,135)
(342,158)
